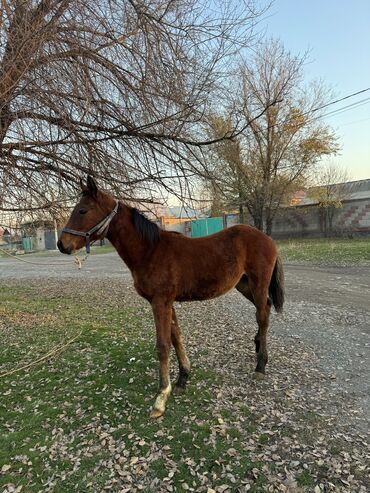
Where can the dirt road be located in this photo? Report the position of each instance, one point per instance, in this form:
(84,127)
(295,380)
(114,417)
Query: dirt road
(331,309)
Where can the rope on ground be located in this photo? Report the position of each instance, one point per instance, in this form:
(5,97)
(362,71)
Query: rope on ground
(77,260)
(50,354)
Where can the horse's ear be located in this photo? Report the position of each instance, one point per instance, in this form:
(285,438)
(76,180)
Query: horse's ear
(91,186)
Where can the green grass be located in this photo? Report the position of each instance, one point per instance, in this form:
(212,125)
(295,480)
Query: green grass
(80,419)
(326,250)
(104,249)
(305,479)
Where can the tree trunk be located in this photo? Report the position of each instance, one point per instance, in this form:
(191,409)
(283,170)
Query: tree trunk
(5,120)
(331,212)
(269,226)
(324,222)
(258,220)
(241,214)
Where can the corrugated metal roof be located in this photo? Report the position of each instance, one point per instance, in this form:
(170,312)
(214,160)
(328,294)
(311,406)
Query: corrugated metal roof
(353,190)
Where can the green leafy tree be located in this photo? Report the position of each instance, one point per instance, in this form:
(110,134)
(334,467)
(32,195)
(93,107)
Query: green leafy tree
(330,191)
(262,167)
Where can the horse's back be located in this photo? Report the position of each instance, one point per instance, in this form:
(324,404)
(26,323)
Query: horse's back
(235,250)
(240,239)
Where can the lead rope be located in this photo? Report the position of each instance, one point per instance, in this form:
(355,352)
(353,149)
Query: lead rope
(77,260)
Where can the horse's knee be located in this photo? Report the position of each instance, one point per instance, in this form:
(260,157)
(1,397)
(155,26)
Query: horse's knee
(163,348)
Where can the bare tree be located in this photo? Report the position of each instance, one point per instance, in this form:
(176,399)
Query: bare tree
(115,88)
(263,166)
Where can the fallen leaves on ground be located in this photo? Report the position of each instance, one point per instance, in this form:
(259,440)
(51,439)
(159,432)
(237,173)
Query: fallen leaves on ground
(293,432)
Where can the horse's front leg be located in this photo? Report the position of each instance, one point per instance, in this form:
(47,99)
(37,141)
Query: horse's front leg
(162,317)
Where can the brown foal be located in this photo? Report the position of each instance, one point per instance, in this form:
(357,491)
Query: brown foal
(168,267)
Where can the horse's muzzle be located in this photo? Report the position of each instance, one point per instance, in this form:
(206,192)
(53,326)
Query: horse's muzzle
(62,249)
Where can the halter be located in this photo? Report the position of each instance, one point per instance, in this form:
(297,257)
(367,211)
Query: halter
(100,229)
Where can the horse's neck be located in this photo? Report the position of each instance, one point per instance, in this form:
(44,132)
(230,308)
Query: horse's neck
(125,239)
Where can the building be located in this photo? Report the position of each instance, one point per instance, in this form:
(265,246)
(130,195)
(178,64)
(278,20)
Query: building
(39,235)
(176,218)
(347,213)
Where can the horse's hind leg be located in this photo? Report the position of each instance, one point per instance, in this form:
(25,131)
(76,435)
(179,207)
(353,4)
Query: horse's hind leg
(263,308)
(244,288)
(184,365)
(259,297)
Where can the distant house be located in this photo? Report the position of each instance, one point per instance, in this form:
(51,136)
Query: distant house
(171,216)
(4,236)
(298,198)
(39,235)
(8,241)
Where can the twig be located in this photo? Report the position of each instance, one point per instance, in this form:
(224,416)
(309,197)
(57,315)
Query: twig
(53,352)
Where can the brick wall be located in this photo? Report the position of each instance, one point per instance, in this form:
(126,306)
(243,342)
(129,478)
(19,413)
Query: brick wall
(309,220)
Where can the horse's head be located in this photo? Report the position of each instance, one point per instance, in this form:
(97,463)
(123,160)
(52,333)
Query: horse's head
(93,208)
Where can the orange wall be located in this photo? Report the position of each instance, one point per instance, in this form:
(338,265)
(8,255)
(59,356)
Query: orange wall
(173,220)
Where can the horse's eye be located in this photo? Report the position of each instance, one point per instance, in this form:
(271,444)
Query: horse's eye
(82,211)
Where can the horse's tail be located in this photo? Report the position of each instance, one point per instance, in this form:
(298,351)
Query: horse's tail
(276,288)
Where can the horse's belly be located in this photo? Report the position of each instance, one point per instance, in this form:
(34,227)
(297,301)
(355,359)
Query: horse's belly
(206,289)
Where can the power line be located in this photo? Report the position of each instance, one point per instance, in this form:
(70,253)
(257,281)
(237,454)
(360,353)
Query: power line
(348,107)
(331,113)
(356,121)
(339,100)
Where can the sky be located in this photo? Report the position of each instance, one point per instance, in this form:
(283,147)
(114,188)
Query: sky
(337,35)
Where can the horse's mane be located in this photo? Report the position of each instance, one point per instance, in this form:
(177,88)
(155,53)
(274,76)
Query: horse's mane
(148,230)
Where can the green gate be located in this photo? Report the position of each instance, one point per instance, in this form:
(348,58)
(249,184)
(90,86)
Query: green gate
(205,227)
(27,243)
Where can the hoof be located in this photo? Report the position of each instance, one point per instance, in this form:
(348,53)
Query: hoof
(178,390)
(160,403)
(258,376)
(156,413)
